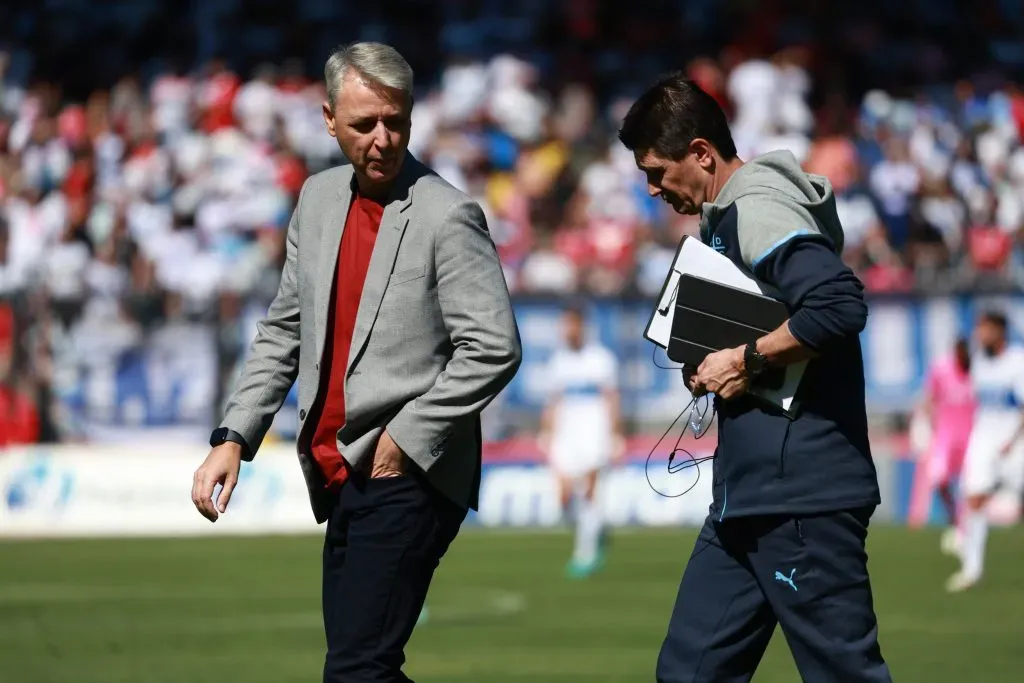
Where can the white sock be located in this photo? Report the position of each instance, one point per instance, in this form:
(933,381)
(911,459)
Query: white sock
(588,531)
(975,536)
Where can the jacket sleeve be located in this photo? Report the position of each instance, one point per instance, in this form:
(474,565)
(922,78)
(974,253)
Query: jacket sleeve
(825,297)
(273,359)
(477,313)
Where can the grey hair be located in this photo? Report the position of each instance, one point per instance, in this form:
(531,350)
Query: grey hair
(375,62)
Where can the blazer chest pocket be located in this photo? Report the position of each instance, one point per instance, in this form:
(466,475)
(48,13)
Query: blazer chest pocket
(407,275)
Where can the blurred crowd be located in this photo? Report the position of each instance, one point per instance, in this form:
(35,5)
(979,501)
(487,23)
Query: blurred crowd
(146,215)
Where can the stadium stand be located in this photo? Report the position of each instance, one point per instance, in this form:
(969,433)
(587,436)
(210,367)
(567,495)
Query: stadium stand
(143,209)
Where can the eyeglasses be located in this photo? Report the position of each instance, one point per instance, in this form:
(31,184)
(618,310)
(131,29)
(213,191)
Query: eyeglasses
(702,414)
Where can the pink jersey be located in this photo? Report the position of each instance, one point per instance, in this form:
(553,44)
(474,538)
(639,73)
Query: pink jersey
(952,402)
(952,399)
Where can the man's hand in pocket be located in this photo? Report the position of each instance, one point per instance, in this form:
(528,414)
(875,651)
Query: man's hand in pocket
(389,460)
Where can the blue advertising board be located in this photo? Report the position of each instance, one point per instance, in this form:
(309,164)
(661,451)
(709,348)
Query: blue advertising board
(902,337)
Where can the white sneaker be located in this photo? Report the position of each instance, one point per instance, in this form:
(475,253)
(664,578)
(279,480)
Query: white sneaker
(952,542)
(960,582)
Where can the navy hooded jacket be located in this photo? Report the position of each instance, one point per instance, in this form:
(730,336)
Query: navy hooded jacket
(780,224)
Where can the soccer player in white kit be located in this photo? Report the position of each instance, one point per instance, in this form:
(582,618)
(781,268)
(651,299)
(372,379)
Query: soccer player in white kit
(581,433)
(995,452)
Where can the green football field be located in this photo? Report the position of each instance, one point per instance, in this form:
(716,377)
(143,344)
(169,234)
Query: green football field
(247,610)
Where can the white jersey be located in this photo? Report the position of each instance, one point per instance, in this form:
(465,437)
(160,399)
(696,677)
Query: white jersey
(582,424)
(999,387)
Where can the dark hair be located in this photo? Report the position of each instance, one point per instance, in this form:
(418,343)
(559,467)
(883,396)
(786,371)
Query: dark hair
(996,318)
(574,308)
(962,351)
(673,113)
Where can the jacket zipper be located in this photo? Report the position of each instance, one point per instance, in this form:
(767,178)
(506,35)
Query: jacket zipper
(782,453)
(719,470)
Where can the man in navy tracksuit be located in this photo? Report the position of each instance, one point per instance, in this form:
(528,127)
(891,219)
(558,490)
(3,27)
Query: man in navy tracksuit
(784,541)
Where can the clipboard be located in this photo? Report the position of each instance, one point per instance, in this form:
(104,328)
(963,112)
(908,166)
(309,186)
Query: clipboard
(710,316)
(696,259)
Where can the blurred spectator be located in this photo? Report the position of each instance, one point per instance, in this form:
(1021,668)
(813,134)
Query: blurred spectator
(895,182)
(19,419)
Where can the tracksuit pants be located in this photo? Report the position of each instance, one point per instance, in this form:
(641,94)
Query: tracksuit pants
(745,575)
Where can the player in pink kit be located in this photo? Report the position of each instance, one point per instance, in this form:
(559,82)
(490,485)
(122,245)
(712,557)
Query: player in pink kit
(949,406)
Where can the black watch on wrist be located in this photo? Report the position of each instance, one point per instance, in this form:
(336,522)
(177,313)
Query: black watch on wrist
(223,434)
(219,436)
(754,361)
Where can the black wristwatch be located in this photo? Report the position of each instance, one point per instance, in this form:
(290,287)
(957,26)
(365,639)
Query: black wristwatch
(754,361)
(222,434)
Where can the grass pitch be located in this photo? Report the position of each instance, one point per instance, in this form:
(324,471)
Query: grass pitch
(220,610)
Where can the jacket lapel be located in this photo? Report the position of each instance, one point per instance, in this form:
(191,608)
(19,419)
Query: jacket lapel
(382,261)
(327,262)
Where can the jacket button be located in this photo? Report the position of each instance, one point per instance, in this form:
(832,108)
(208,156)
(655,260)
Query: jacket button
(302,414)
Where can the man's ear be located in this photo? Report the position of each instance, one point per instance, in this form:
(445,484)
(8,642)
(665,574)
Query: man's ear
(704,151)
(328,111)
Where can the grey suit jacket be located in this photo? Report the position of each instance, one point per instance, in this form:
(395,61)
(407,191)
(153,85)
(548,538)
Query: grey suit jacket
(435,338)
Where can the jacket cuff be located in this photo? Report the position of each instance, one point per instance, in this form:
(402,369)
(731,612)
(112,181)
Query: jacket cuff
(415,440)
(805,331)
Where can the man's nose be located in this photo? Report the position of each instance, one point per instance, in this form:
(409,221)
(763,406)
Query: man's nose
(380,136)
(653,190)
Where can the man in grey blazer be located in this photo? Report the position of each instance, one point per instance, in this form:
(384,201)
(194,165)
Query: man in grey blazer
(394,316)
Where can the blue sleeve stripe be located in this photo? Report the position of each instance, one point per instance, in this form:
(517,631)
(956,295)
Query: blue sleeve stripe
(785,238)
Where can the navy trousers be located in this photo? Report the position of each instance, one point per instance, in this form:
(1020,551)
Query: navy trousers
(808,574)
(384,540)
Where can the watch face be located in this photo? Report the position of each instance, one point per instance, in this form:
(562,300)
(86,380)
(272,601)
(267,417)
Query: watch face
(754,361)
(218,436)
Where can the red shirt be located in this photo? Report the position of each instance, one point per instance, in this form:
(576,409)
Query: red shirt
(219,97)
(353,261)
(989,247)
(19,420)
